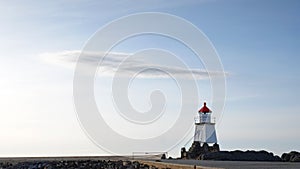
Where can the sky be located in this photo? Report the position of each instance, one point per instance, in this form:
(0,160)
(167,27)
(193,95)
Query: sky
(257,42)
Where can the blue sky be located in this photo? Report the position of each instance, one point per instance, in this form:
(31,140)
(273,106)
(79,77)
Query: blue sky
(257,41)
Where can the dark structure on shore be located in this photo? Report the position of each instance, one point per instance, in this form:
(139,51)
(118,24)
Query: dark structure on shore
(205,138)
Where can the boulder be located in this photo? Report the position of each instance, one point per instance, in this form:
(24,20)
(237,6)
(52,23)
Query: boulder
(292,156)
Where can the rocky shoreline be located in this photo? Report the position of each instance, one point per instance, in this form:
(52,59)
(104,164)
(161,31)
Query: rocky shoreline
(205,151)
(240,156)
(249,155)
(83,164)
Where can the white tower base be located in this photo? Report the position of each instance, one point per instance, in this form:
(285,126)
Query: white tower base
(205,133)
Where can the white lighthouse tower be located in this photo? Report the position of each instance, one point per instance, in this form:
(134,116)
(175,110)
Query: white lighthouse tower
(205,131)
(205,134)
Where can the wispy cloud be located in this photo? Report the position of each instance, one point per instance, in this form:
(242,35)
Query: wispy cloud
(116,62)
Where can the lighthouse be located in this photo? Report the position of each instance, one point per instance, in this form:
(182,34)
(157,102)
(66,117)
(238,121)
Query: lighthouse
(205,131)
(205,137)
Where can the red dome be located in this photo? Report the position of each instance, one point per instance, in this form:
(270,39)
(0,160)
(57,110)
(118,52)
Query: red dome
(204,109)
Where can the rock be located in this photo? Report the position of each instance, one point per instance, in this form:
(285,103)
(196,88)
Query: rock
(183,153)
(240,156)
(296,159)
(136,164)
(292,156)
(197,150)
(285,157)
